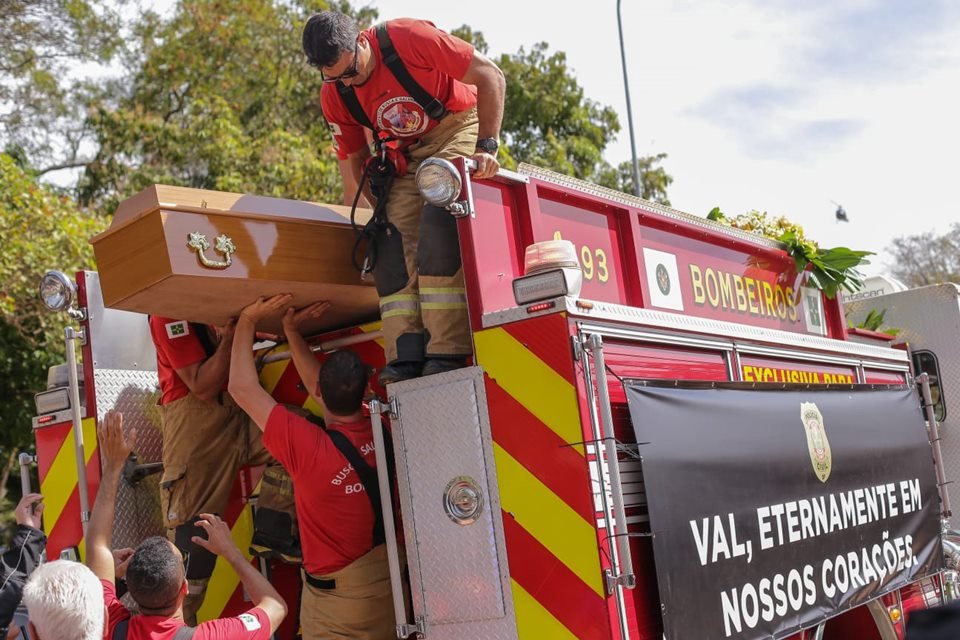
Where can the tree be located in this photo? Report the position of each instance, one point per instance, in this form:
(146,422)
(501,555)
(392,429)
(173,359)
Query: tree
(41,108)
(926,258)
(221,99)
(654,180)
(551,123)
(40,229)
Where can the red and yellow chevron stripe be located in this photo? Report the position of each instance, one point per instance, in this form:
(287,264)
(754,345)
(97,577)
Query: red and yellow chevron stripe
(57,470)
(548,514)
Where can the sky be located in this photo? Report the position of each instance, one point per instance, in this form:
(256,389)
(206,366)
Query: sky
(777,105)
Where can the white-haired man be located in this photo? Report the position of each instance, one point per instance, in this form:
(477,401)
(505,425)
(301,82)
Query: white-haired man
(64,600)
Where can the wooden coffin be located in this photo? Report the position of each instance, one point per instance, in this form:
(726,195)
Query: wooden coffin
(201,256)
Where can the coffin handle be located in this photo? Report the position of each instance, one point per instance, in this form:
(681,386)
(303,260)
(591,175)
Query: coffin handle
(224,245)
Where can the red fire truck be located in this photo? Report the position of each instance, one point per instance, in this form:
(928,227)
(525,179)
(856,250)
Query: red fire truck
(538,498)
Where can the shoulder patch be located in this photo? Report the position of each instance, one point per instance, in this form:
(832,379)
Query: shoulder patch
(335,129)
(177,329)
(249,621)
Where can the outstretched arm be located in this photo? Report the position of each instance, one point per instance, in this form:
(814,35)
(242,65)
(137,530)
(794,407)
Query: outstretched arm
(244,384)
(261,592)
(114,449)
(303,359)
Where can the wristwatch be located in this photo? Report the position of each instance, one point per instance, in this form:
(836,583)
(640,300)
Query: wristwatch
(488,145)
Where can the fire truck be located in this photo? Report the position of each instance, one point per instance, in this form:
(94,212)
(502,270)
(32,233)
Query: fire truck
(616,463)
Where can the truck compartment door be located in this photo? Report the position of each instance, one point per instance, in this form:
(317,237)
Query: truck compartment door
(451,507)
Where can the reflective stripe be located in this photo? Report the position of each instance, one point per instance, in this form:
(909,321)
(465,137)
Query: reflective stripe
(398,312)
(443,298)
(433,290)
(404,304)
(398,298)
(443,305)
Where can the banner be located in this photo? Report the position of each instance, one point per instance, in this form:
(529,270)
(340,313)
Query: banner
(774,509)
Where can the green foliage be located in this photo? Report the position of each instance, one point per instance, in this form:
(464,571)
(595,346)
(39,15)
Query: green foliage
(654,180)
(549,121)
(42,104)
(829,269)
(927,258)
(874,322)
(41,229)
(222,99)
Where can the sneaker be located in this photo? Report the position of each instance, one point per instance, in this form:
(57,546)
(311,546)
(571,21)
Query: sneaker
(442,365)
(399,371)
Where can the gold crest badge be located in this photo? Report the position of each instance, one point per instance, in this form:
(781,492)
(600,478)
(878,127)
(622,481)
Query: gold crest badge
(817,441)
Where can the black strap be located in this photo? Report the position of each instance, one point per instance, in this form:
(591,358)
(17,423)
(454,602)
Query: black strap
(350,101)
(120,631)
(326,584)
(431,105)
(368,477)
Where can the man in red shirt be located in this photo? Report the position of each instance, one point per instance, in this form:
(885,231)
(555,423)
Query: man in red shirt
(206,437)
(346,581)
(156,574)
(447,101)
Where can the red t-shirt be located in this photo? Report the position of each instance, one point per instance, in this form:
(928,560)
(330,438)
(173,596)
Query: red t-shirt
(435,59)
(177,347)
(253,624)
(335,514)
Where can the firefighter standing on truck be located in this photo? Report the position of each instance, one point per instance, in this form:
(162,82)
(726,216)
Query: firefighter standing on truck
(206,438)
(423,93)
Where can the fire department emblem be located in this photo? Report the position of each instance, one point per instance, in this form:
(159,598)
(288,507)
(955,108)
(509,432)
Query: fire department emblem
(402,117)
(663,280)
(817,442)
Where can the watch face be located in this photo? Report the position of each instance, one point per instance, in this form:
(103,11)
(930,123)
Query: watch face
(489,145)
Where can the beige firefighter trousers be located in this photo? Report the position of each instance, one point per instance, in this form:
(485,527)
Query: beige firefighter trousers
(360,607)
(424,309)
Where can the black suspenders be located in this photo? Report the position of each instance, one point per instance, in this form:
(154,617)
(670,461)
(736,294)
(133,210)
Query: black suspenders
(430,104)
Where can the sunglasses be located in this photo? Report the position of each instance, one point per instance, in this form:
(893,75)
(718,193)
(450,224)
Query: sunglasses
(352,71)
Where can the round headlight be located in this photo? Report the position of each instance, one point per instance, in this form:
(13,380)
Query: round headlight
(57,291)
(438,181)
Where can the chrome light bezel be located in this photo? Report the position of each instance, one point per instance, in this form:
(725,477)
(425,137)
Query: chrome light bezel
(453,187)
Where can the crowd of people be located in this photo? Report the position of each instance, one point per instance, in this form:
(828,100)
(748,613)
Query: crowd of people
(416,92)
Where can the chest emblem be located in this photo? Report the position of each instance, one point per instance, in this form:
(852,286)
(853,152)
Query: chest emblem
(402,117)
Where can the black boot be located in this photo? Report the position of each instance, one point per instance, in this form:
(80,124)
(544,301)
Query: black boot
(442,365)
(398,371)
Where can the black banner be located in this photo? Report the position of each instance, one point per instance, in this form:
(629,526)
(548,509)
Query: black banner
(775,509)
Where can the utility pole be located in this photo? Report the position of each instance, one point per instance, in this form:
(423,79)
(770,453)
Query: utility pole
(626,90)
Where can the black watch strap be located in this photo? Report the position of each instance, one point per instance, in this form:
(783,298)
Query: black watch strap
(488,145)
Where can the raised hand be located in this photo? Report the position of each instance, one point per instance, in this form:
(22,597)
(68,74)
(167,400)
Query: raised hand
(219,539)
(263,307)
(29,510)
(115,446)
(293,318)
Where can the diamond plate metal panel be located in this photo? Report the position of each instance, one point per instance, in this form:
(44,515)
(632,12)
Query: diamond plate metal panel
(134,393)
(929,319)
(458,573)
